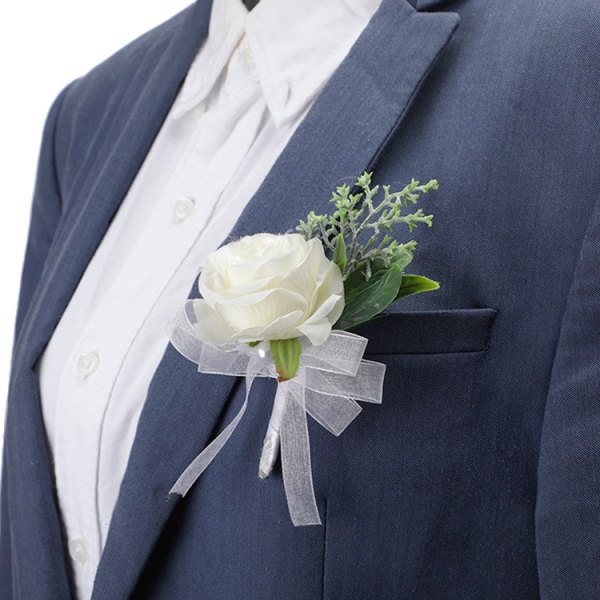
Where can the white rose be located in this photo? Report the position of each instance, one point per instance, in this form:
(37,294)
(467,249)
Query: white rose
(268,287)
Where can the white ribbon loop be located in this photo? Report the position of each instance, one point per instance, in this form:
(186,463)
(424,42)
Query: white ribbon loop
(341,353)
(331,378)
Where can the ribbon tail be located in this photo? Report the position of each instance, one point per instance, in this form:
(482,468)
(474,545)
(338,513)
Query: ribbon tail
(334,413)
(200,463)
(295,458)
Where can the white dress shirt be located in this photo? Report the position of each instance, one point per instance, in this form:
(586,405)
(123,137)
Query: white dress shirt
(248,89)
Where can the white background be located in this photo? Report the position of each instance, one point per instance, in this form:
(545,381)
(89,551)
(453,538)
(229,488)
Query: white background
(44,46)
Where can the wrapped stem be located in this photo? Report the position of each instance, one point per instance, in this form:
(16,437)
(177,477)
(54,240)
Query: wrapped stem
(272,440)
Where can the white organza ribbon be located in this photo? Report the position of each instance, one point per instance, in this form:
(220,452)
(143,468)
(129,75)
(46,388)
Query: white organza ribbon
(330,380)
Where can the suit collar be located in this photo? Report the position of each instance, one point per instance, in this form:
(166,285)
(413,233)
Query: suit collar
(343,134)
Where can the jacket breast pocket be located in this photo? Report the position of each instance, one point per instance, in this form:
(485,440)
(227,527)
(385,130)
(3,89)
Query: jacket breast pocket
(437,369)
(431,332)
(436,364)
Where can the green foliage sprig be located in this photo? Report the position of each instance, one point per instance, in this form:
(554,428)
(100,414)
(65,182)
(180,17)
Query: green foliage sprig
(357,236)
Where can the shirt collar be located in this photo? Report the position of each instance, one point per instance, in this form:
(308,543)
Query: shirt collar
(296,45)
(225,29)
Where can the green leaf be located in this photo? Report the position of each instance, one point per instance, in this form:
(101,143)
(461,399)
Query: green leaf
(415,284)
(401,255)
(339,254)
(366,299)
(286,355)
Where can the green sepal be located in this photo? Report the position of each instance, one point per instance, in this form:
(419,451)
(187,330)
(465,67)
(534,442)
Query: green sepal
(253,344)
(365,299)
(415,284)
(286,356)
(339,254)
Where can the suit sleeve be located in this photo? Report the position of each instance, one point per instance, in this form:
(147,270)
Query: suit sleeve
(568,504)
(45,216)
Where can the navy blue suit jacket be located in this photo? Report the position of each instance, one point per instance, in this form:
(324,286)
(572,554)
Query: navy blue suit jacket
(479,475)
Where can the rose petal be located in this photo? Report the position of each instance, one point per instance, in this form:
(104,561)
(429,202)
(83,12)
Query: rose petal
(259,309)
(210,328)
(330,283)
(212,280)
(305,276)
(316,331)
(246,251)
(331,310)
(318,326)
(253,257)
(250,287)
(283,328)
(286,261)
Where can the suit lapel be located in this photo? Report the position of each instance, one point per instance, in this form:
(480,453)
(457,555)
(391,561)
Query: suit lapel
(343,134)
(348,127)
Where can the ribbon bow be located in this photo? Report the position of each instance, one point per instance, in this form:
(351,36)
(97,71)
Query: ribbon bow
(330,380)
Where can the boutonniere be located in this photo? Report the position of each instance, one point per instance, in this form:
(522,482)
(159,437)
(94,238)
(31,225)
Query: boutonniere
(282,306)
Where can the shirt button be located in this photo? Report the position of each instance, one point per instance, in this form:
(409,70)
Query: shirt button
(247,56)
(87,363)
(183,208)
(78,550)
(200,109)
